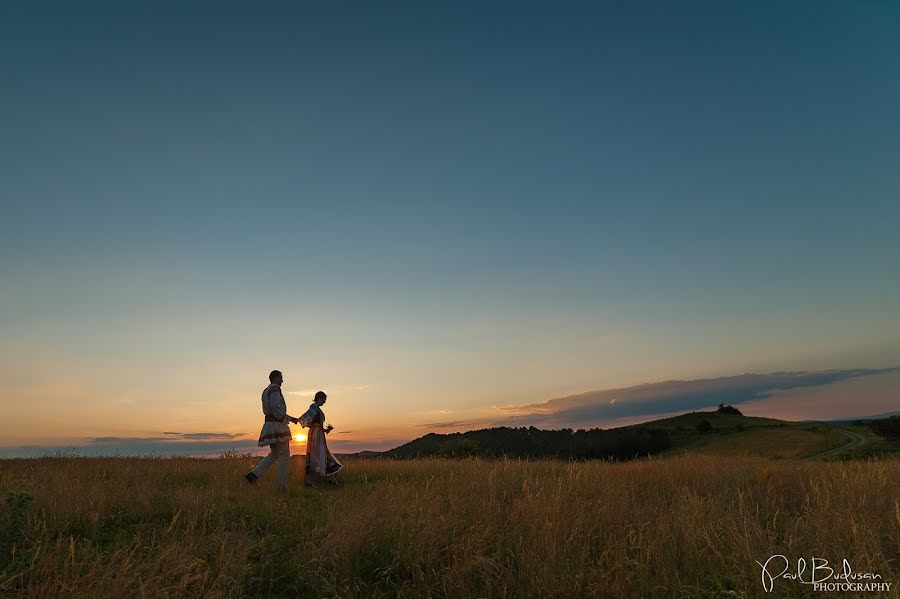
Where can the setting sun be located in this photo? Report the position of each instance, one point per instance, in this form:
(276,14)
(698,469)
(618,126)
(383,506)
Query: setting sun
(300,438)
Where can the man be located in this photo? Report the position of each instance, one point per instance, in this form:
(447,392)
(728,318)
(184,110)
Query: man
(275,433)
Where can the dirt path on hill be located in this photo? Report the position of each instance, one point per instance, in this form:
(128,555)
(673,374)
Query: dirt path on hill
(854,440)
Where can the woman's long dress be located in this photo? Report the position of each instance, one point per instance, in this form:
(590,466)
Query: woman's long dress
(319,459)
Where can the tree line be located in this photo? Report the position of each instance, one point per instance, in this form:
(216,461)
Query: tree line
(531,442)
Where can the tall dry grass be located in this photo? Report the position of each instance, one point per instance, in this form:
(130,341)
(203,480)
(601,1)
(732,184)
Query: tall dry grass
(690,526)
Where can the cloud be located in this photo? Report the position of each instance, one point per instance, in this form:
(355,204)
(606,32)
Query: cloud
(616,407)
(443,412)
(675,396)
(171,438)
(125,440)
(449,424)
(212,436)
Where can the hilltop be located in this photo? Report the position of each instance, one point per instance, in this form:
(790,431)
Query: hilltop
(723,431)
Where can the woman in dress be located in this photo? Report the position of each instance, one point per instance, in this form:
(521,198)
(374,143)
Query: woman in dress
(319,460)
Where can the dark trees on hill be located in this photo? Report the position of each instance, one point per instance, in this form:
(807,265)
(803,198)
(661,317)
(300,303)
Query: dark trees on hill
(619,444)
(887,427)
(704,426)
(459,448)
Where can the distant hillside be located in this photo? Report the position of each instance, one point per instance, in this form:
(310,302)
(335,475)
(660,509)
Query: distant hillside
(724,431)
(729,434)
(360,454)
(883,416)
(620,444)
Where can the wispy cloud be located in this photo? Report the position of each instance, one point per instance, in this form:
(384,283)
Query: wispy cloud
(442,412)
(667,396)
(448,424)
(629,404)
(170,437)
(213,436)
(126,440)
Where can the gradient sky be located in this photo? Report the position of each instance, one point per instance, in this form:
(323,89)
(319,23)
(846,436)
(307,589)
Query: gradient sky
(433,209)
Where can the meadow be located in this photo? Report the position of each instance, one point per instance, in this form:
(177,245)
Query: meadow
(675,526)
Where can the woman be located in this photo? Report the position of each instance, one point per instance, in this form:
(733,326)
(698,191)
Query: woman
(318,459)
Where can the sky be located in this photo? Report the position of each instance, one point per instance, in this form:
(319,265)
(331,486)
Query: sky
(450,214)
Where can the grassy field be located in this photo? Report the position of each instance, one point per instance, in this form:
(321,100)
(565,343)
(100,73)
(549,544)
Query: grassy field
(770,442)
(677,526)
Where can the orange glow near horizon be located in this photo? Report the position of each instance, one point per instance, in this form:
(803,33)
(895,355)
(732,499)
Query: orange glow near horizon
(300,437)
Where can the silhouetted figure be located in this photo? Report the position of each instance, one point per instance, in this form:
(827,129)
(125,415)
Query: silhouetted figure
(275,433)
(319,460)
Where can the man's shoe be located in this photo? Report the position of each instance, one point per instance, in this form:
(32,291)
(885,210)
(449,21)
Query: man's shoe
(251,478)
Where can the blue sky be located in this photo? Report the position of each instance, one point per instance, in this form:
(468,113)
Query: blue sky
(437,208)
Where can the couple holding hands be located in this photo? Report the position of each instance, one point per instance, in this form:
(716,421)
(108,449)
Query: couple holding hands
(277,435)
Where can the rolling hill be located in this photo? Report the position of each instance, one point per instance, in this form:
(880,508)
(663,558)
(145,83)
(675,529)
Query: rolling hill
(724,432)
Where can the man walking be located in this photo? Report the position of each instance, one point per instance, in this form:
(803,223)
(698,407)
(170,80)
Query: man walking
(275,433)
